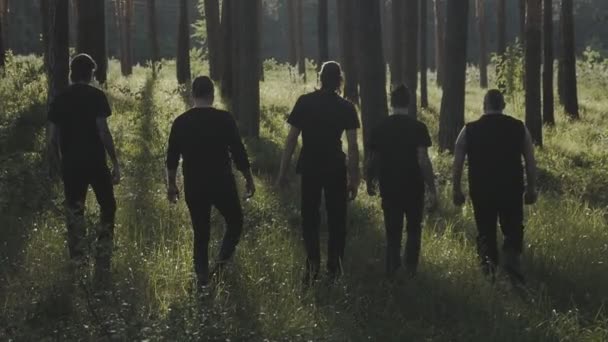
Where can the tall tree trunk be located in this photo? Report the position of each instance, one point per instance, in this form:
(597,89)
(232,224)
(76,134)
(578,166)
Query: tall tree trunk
(2,46)
(183,44)
(501,39)
(373,76)
(570,88)
(483,45)
(522,22)
(292,34)
(386,22)
(323,32)
(451,118)
(349,42)
(424,96)
(440,40)
(411,52)
(153,31)
(548,98)
(57,47)
(4,10)
(44,32)
(260,37)
(397,70)
(212,20)
(300,40)
(533,64)
(246,100)
(560,60)
(125,24)
(91,29)
(226,46)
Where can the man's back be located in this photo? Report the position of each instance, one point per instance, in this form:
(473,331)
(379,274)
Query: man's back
(395,143)
(205,138)
(75,112)
(494,147)
(322,116)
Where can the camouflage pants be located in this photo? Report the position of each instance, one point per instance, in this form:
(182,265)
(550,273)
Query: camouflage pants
(76,185)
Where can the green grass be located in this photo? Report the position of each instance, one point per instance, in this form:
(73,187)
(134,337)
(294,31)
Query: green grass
(260,297)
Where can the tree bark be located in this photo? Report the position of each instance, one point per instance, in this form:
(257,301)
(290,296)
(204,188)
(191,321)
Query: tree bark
(292,35)
(300,40)
(411,52)
(373,76)
(522,22)
(4,10)
(397,70)
(440,40)
(533,65)
(125,23)
(246,100)
(548,97)
(501,29)
(483,45)
(212,20)
(57,47)
(323,32)
(2,46)
(349,43)
(424,96)
(183,44)
(153,31)
(260,38)
(451,118)
(570,88)
(227,42)
(91,39)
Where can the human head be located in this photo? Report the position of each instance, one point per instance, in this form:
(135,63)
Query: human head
(331,76)
(400,96)
(82,68)
(203,88)
(494,102)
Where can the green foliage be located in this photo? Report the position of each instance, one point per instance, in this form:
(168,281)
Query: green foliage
(510,69)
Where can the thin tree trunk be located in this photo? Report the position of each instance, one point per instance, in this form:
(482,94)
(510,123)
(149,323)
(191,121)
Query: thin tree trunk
(246,103)
(560,60)
(183,44)
(349,43)
(424,96)
(501,39)
(292,32)
(212,20)
(45,15)
(227,40)
(548,97)
(300,40)
(386,23)
(397,71)
(373,76)
(153,31)
(2,49)
(126,23)
(533,41)
(440,40)
(91,29)
(323,32)
(570,87)
(411,52)
(451,118)
(260,38)
(483,48)
(4,10)
(57,53)
(522,22)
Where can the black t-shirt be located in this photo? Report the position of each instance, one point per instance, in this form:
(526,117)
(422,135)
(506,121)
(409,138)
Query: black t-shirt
(495,145)
(75,112)
(395,143)
(206,138)
(322,117)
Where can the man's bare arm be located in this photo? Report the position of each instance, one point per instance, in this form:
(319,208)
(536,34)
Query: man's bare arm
(531,169)
(427,169)
(290,146)
(460,152)
(107,140)
(353,162)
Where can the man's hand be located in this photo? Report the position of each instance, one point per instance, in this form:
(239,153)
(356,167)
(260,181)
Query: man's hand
(433,202)
(372,191)
(458,198)
(531,196)
(353,189)
(116,175)
(250,188)
(172,193)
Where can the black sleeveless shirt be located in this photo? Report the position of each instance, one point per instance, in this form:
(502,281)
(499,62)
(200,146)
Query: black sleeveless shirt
(495,145)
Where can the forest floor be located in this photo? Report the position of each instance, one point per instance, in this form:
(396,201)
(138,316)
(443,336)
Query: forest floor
(260,297)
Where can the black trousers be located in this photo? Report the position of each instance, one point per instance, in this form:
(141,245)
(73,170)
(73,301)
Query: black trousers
(332,183)
(76,183)
(222,195)
(395,209)
(509,210)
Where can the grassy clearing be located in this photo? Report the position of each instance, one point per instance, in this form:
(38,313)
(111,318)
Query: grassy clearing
(260,298)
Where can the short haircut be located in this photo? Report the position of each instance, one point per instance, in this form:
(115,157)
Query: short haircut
(495,100)
(331,75)
(82,68)
(400,96)
(203,87)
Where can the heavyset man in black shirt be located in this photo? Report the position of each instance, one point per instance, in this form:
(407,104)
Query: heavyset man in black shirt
(79,138)
(208,141)
(494,146)
(399,159)
(322,117)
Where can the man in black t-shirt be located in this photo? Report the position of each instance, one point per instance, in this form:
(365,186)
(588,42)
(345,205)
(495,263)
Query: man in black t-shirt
(79,138)
(322,117)
(399,159)
(494,146)
(208,141)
